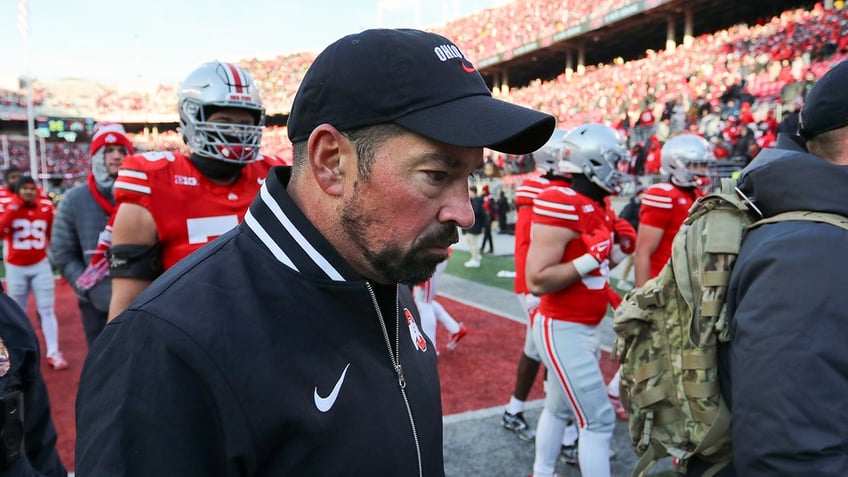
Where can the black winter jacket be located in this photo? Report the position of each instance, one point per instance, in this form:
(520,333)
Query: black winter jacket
(24,375)
(262,354)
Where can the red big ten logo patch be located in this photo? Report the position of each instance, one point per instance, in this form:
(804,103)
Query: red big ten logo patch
(414,333)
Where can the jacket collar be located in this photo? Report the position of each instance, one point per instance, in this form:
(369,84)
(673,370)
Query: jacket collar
(294,241)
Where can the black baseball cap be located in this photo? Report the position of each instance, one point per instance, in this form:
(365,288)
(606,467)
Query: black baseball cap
(826,105)
(415,79)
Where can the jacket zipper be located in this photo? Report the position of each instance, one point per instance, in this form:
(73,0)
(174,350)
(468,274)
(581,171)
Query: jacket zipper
(395,358)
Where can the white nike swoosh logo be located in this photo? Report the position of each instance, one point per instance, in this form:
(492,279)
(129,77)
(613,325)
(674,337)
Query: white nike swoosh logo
(324,404)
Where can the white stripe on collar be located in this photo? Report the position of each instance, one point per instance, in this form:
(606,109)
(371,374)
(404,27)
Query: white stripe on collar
(307,247)
(268,241)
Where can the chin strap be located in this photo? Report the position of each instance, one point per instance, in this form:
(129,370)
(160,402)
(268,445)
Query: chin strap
(217,169)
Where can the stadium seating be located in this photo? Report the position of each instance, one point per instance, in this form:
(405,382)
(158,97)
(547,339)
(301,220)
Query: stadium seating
(755,64)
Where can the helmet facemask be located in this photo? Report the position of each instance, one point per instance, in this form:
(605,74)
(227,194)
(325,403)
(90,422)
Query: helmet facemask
(688,174)
(685,159)
(604,171)
(211,88)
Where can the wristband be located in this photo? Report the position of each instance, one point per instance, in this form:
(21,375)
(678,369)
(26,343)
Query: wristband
(585,264)
(617,255)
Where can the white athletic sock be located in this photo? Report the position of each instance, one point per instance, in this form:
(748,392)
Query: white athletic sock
(50,328)
(593,453)
(548,444)
(612,387)
(428,319)
(445,318)
(515,406)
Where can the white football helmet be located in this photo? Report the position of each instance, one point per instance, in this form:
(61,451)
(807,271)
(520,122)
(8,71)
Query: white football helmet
(682,152)
(547,157)
(595,150)
(213,86)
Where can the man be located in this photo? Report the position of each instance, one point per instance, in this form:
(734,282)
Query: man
(664,206)
(547,161)
(7,190)
(10,176)
(289,346)
(169,205)
(567,266)
(25,225)
(79,242)
(432,312)
(784,370)
(29,436)
(489,215)
(662,210)
(503,209)
(472,233)
(789,122)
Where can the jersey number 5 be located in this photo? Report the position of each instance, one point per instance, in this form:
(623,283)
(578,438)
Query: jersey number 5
(204,229)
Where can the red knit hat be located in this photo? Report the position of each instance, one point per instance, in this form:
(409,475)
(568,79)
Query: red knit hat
(108,134)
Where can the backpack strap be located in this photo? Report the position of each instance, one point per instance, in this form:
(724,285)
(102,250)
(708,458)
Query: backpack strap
(836,220)
(648,460)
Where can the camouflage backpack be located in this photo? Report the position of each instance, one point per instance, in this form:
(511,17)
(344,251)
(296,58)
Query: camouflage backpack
(669,328)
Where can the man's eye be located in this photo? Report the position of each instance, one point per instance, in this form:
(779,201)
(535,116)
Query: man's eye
(436,177)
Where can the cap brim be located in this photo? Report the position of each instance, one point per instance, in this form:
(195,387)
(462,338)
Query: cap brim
(483,121)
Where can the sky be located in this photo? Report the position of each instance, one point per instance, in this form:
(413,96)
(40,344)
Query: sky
(161,41)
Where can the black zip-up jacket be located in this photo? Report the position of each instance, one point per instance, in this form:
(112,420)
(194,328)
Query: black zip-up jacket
(24,375)
(262,354)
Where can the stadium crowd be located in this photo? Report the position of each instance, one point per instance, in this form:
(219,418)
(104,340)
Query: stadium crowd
(733,86)
(504,28)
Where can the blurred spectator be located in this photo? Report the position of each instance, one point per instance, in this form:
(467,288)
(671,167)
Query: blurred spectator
(80,234)
(503,208)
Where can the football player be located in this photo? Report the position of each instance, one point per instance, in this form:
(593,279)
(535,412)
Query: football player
(548,162)
(432,312)
(26,224)
(567,266)
(666,205)
(170,204)
(7,190)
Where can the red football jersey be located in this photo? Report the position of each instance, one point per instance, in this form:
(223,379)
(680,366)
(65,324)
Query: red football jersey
(188,208)
(26,232)
(524,195)
(586,300)
(665,206)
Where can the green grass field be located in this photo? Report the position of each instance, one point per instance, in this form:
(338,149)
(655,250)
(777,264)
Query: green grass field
(487,274)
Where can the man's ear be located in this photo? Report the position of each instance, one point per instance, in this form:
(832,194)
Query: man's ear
(326,150)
